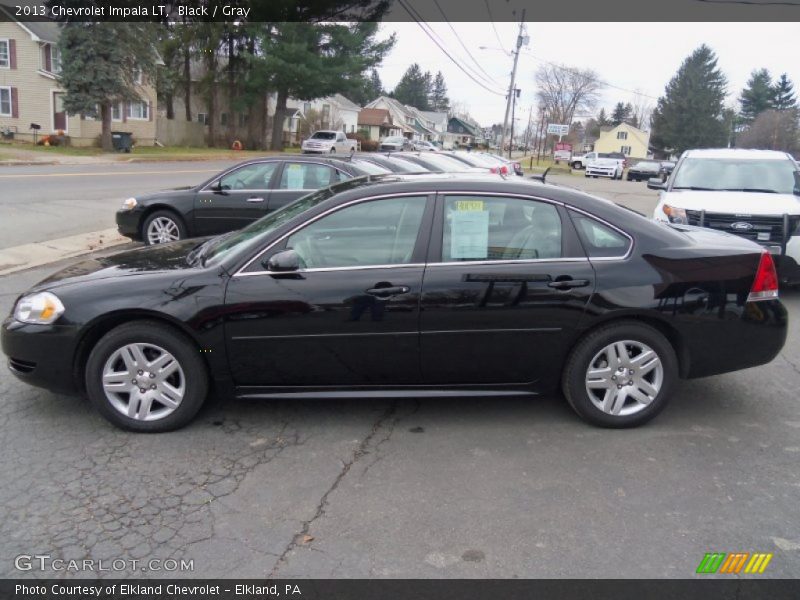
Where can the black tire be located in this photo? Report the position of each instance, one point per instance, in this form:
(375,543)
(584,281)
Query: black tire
(577,165)
(333,150)
(163,336)
(574,376)
(168,214)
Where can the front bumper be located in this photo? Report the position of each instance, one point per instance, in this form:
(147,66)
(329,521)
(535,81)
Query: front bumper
(41,355)
(129,223)
(598,172)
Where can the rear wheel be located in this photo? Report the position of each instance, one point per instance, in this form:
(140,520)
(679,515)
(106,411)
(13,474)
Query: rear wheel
(333,150)
(577,165)
(620,375)
(147,377)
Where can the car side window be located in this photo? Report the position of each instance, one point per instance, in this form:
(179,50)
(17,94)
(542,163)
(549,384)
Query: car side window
(377,232)
(256,176)
(307,176)
(599,240)
(497,228)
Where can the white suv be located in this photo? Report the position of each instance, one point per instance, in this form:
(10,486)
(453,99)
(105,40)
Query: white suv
(753,194)
(327,141)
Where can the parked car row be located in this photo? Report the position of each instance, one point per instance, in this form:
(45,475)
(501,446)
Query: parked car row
(246,192)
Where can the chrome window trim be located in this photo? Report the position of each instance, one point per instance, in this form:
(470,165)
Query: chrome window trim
(206,188)
(240,272)
(278,161)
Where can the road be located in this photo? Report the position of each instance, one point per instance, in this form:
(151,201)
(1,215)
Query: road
(39,203)
(412,488)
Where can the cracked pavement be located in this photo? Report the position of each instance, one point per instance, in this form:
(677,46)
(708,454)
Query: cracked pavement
(509,487)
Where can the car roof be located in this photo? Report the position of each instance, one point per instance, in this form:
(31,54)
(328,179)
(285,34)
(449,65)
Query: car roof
(326,131)
(739,153)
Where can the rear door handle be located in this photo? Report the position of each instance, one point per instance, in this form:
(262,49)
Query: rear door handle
(566,284)
(385,292)
(255,199)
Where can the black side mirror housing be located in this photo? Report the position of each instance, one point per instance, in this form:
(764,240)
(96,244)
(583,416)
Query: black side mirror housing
(285,261)
(655,183)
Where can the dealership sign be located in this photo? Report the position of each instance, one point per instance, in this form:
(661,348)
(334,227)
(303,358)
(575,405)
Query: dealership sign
(557,129)
(562,151)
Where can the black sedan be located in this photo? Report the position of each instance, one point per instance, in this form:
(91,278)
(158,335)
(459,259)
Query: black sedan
(423,286)
(643,170)
(234,198)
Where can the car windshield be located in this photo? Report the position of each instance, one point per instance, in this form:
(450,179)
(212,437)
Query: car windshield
(224,245)
(393,140)
(648,165)
(324,135)
(474,160)
(445,163)
(736,174)
(410,166)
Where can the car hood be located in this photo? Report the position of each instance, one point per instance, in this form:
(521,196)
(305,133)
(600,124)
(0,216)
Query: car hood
(147,260)
(605,162)
(168,192)
(740,203)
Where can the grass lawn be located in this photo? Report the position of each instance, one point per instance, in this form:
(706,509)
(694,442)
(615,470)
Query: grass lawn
(562,168)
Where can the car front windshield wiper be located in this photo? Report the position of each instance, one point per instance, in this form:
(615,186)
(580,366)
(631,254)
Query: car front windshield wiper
(756,190)
(695,188)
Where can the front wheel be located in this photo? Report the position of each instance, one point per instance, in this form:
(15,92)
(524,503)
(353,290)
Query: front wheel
(621,375)
(163,226)
(577,166)
(146,377)
(333,150)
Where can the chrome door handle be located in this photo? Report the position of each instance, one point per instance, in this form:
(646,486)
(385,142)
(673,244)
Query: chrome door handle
(255,199)
(385,292)
(566,284)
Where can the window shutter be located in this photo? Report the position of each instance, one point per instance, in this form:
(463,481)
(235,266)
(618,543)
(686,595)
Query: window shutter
(124,112)
(150,111)
(48,62)
(14,103)
(12,53)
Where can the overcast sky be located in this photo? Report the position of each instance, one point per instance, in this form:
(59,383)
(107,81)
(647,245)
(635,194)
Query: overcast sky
(633,56)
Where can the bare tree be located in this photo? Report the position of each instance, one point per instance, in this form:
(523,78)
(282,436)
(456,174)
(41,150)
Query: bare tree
(641,110)
(563,91)
(772,130)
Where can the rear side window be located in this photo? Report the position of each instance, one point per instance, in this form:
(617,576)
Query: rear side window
(600,240)
(478,228)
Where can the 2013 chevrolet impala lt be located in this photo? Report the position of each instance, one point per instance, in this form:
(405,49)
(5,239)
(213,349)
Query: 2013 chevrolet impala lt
(397,285)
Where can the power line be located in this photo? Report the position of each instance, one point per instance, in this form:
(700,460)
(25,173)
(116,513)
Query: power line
(417,19)
(488,78)
(491,20)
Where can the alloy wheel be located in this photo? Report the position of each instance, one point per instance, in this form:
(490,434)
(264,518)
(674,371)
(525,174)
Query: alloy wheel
(162,230)
(624,378)
(143,381)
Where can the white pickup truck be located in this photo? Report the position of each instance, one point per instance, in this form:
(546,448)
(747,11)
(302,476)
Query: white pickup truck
(579,161)
(328,142)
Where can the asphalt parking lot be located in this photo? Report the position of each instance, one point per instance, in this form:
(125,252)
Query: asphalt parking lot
(472,487)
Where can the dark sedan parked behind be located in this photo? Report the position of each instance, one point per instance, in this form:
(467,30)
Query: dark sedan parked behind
(234,198)
(644,170)
(421,286)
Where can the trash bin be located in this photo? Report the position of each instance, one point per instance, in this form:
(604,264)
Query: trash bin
(122,141)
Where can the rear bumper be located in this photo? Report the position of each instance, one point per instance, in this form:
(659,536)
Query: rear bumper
(41,355)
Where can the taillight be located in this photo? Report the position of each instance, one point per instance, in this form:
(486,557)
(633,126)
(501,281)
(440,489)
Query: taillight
(765,285)
(504,170)
(493,170)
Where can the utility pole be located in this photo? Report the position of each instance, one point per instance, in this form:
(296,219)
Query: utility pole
(513,113)
(520,41)
(528,129)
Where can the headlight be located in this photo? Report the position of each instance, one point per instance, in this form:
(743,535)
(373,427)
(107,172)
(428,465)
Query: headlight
(675,215)
(40,309)
(129,204)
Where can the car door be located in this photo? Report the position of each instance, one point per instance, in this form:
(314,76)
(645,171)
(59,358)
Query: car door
(341,143)
(504,291)
(298,178)
(235,199)
(350,314)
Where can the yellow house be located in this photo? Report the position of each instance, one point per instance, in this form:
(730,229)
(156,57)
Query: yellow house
(629,140)
(30,91)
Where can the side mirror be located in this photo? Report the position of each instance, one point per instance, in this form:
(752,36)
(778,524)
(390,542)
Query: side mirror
(283,262)
(655,183)
(216,186)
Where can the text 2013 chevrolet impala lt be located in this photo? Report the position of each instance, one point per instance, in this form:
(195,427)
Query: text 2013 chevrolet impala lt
(423,285)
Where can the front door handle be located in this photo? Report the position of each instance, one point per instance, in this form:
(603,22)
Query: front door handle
(385,292)
(255,199)
(567,284)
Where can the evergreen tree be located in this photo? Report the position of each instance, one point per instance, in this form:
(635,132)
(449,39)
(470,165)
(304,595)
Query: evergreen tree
(602,119)
(100,64)
(413,88)
(689,114)
(784,94)
(630,115)
(375,86)
(621,114)
(758,96)
(439,100)
(307,60)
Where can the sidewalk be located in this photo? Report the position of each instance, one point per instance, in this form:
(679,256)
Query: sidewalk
(19,258)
